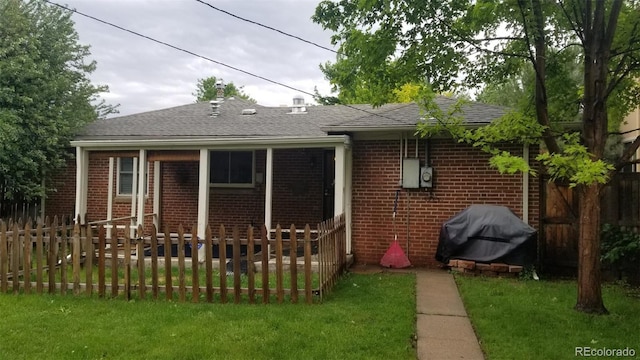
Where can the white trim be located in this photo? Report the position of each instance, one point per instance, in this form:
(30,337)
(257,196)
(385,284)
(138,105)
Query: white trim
(348,196)
(525,186)
(339,180)
(82,175)
(156,194)
(142,184)
(215,143)
(268,191)
(203,191)
(134,191)
(110,197)
(133,178)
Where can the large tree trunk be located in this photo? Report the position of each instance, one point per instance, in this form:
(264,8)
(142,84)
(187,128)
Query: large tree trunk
(589,273)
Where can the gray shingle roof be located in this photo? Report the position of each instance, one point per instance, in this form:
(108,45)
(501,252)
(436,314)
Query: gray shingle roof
(195,120)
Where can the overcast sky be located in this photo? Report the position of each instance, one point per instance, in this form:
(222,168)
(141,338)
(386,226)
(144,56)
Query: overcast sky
(143,75)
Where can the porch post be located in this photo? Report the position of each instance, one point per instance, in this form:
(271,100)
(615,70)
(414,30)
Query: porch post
(156,194)
(268,191)
(203,192)
(339,180)
(134,197)
(347,195)
(109,225)
(142,178)
(525,186)
(82,180)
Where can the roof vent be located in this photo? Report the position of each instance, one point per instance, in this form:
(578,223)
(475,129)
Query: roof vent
(215,104)
(298,105)
(215,107)
(249,111)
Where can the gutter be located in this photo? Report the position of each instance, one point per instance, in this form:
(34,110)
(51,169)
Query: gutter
(213,142)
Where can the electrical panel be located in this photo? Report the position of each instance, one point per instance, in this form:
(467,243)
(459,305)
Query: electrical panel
(426,177)
(411,173)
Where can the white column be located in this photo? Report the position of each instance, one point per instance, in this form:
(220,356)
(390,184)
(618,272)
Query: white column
(268,191)
(82,180)
(203,192)
(525,186)
(142,179)
(156,194)
(339,181)
(110,198)
(134,197)
(348,195)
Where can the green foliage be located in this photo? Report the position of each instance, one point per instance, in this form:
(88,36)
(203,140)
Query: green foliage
(206,90)
(45,94)
(620,248)
(575,164)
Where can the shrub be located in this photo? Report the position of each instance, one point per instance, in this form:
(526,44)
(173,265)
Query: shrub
(620,249)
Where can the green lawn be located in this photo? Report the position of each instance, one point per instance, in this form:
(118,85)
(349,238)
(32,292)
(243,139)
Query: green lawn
(365,317)
(517,319)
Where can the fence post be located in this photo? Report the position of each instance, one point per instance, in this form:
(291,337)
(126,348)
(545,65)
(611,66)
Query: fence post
(195,281)
(208,248)
(15,258)
(88,258)
(167,264)
(64,250)
(307,265)
(223,264)
(4,257)
(182,296)
(237,285)
(39,259)
(264,252)
(127,262)
(102,244)
(154,261)
(279,267)
(53,252)
(75,258)
(293,263)
(142,287)
(251,273)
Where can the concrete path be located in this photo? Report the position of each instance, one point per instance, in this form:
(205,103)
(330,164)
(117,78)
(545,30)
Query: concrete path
(443,328)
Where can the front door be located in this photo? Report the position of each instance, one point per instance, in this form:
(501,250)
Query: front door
(328,184)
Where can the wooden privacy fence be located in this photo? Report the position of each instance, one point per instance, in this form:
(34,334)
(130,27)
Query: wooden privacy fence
(80,259)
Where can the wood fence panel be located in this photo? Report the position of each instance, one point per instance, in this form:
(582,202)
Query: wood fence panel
(52,261)
(195,281)
(27,246)
(114,262)
(222,260)
(64,252)
(293,263)
(39,260)
(88,259)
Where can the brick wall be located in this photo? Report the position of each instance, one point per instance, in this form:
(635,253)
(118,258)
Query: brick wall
(61,201)
(462,178)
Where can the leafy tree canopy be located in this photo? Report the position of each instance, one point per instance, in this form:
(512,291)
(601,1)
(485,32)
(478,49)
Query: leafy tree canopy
(45,94)
(206,90)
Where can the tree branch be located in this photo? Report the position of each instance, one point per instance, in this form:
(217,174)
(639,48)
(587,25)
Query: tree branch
(574,26)
(627,154)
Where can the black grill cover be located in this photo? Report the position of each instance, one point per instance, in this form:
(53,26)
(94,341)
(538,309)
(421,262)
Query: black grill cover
(486,233)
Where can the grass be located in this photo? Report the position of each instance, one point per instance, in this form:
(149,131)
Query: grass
(517,319)
(365,317)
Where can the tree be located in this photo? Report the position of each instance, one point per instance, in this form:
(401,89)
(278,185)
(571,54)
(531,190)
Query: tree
(206,90)
(45,95)
(452,44)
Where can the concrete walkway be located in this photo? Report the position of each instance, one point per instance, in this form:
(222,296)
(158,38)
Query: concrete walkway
(443,329)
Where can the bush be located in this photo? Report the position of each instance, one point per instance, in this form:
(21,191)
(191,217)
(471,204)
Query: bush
(620,249)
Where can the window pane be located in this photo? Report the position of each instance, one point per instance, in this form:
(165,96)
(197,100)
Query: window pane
(241,171)
(126,182)
(219,172)
(126,165)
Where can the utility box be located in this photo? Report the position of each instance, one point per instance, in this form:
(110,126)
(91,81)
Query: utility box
(426,177)
(411,173)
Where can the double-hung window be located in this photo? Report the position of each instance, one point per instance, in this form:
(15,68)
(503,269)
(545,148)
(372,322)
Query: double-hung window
(125,176)
(232,168)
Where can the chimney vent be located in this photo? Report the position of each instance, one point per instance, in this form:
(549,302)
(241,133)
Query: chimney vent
(298,105)
(249,111)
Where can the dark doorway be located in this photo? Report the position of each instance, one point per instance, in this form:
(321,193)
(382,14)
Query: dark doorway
(328,183)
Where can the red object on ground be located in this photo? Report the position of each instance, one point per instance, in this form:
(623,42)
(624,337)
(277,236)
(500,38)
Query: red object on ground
(395,257)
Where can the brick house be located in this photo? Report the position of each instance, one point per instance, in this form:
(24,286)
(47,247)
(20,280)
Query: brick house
(237,163)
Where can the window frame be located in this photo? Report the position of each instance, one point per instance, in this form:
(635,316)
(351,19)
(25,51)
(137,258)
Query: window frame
(252,184)
(119,175)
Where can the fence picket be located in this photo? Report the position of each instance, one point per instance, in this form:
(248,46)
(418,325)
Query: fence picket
(223,264)
(53,253)
(168,278)
(64,252)
(15,260)
(251,273)
(308,294)
(142,287)
(4,257)
(127,262)
(195,281)
(154,262)
(208,249)
(293,263)
(279,267)
(237,285)
(264,252)
(114,262)
(88,259)
(39,259)
(182,287)
(102,243)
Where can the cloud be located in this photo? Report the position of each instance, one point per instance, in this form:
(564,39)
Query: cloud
(143,75)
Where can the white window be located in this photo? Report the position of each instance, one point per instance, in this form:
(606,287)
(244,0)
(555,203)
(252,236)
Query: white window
(125,177)
(232,168)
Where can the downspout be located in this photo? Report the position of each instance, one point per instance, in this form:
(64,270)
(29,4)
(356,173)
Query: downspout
(401,165)
(525,186)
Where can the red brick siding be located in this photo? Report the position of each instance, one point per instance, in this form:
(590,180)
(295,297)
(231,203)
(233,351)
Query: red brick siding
(61,200)
(462,178)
